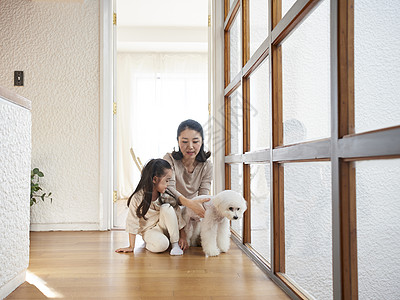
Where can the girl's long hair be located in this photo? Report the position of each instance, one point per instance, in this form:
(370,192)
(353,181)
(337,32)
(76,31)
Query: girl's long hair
(155,167)
(202,156)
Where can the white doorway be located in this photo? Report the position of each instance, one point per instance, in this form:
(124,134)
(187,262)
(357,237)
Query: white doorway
(162,78)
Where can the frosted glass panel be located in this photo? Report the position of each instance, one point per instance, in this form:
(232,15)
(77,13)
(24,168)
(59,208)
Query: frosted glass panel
(259,108)
(376,64)
(378,229)
(237,185)
(286,5)
(258,23)
(236,122)
(235,47)
(260,209)
(306,79)
(308,227)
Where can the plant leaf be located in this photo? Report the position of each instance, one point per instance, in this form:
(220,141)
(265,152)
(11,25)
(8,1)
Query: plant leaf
(35,187)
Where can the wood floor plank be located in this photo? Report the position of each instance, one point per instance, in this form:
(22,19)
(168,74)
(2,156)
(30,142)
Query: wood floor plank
(83,265)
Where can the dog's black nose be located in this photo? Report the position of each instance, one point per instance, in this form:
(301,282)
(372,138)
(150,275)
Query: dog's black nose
(236,217)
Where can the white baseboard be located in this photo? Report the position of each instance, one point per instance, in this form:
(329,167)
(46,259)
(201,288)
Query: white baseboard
(65,227)
(10,286)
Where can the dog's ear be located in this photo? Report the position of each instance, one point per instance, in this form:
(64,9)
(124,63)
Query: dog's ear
(216,201)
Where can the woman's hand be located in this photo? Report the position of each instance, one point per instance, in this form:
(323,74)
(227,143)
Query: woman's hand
(195,204)
(125,250)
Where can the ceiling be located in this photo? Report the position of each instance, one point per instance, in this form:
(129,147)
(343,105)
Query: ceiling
(162,25)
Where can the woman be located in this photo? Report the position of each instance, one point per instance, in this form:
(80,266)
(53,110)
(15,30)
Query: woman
(192,171)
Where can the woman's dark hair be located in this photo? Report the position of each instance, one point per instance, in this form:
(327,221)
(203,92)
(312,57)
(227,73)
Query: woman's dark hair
(155,167)
(193,125)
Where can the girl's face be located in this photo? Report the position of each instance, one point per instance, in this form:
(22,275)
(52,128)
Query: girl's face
(161,183)
(190,142)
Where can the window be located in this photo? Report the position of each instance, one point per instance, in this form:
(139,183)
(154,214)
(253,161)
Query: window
(237,186)
(376,73)
(261,210)
(235,47)
(378,228)
(236,122)
(312,127)
(308,231)
(258,23)
(306,79)
(259,108)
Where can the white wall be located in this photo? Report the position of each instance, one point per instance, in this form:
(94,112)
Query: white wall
(162,26)
(15,163)
(56,44)
(217,83)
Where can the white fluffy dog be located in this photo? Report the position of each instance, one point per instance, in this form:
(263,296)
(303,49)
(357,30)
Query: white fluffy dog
(214,229)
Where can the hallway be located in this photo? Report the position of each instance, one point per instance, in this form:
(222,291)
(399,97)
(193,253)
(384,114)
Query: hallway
(83,265)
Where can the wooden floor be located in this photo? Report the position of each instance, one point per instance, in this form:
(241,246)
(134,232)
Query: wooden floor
(83,265)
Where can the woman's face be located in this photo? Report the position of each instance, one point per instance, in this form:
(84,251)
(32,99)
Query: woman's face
(190,142)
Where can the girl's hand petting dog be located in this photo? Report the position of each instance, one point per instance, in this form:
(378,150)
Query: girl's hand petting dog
(183,244)
(182,240)
(125,250)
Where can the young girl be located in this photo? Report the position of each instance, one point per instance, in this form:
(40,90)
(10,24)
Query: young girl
(146,217)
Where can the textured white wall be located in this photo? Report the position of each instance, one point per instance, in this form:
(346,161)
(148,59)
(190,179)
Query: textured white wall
(56,44)
(15,163)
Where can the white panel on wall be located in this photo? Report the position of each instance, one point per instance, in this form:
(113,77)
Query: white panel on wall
(15,163)
(56,44)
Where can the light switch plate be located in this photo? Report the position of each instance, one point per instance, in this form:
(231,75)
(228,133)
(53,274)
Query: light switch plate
(18,78)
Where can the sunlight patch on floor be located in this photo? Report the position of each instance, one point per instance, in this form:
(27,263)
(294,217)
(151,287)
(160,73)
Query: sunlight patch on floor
(42,286)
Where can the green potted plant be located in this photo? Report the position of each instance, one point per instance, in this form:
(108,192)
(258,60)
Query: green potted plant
(36,190)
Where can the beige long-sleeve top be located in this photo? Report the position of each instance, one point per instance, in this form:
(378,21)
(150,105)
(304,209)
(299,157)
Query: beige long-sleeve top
(188,184)
(136,225)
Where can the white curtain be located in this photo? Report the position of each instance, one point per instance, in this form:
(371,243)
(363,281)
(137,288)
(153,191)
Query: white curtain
(155,92)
